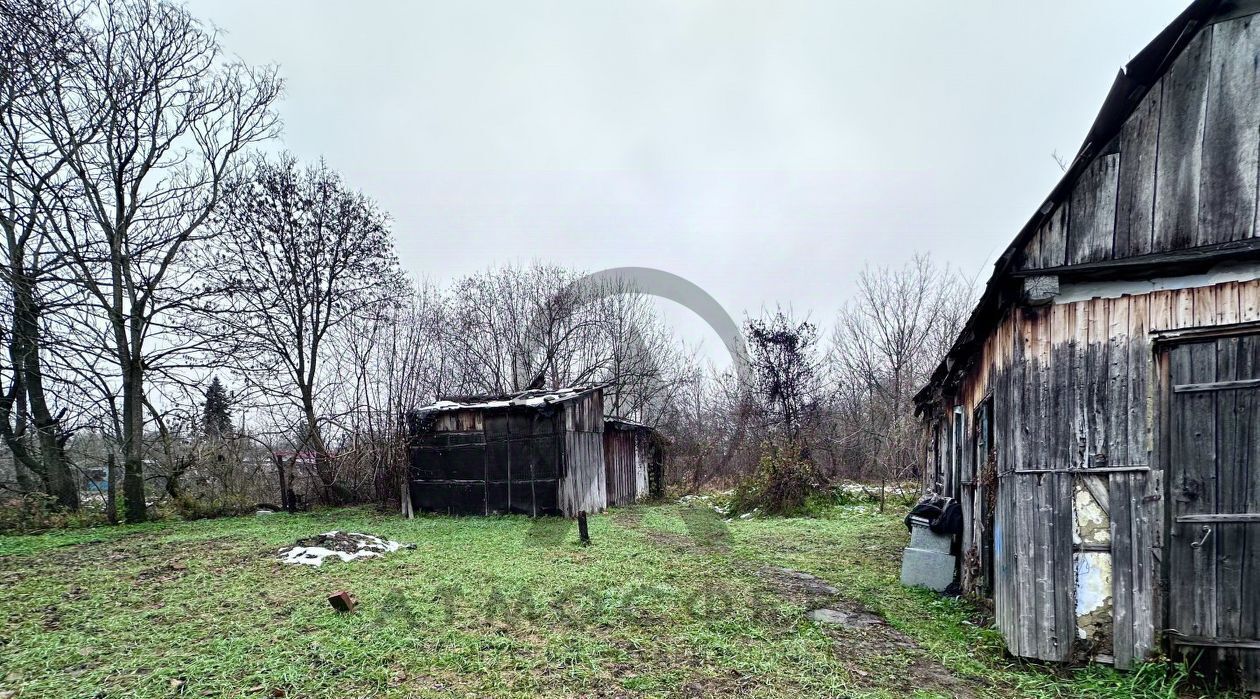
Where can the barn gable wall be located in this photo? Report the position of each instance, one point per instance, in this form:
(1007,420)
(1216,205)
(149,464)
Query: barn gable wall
(1182,171)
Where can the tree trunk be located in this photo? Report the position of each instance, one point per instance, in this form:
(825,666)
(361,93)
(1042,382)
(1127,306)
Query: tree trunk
(285,502)
(111,490)
(51,463)
(133,445)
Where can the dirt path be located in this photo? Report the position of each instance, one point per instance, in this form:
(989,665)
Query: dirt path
(876,655)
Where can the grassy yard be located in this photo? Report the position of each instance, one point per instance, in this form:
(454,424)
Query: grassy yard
(669,601)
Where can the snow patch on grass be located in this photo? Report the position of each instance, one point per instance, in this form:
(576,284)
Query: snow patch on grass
(346,546)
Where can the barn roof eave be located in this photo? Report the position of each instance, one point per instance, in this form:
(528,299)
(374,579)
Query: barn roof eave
(1130,86)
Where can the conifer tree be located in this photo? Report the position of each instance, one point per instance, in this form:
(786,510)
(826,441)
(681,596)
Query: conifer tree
(216,420)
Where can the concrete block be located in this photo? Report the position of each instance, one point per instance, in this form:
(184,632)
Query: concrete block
(924,539)
(929,569)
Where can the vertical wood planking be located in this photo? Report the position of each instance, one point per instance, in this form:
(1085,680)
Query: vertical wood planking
(1036,400)
(1249,301)
(1059,439)
(1226,300)
(1025,569)
(1231,491)
(1120,507)
(1204,306)
(1038,420)
(1142,521)
(1116,397)
(1092,217)
(1041,570)
(1135,189)
(1096,382)
(1139,410)
(1248,483)
(1018,373)
(1180,150)
(1032,251)
(1231,141)
(1160,310)
(1053,234)
(1182,309)
(1193,598)
(1080,383)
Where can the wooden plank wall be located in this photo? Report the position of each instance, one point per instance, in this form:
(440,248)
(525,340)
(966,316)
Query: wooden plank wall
(1073,388)
(1145,192)
(621,466)
(582,485)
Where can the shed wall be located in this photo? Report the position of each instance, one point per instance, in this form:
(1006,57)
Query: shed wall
(625,465)
(583,486)
(519,460)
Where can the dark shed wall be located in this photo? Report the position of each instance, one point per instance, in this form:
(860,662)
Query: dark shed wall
(1147,192)
(505,460)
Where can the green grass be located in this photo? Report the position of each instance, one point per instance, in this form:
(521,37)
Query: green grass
(668,601)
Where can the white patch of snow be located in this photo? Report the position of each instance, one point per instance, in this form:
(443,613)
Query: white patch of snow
(532,399)
(367,546)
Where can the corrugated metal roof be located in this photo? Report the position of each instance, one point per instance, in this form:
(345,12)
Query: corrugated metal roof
(529,399)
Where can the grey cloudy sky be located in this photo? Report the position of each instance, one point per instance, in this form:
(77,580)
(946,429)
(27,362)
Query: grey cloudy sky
(764,150)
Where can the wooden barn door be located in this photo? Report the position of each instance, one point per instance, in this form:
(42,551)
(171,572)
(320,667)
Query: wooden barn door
(1214,493)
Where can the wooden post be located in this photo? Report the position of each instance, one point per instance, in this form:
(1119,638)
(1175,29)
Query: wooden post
(405,498)
(111,498)
(583,534)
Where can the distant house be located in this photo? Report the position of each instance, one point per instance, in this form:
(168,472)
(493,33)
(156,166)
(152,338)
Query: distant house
(1099,416)
(534,452)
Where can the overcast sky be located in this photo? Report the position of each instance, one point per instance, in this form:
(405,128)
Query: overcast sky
(764,150)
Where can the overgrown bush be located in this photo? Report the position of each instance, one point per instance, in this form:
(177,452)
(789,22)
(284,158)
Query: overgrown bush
(191,507)
(28,513)
(781,485)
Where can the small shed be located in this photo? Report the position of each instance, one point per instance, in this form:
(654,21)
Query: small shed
(535,452)
(632,461)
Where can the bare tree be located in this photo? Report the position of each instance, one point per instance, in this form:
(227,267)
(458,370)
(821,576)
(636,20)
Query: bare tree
(175,120)
(886,342)
(786,373)
(511,328)
(303,256)
(393,352)
(40,45)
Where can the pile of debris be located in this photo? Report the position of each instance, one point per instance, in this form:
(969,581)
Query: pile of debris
(346,546)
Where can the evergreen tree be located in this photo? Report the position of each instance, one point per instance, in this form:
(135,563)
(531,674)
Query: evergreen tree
(216,420)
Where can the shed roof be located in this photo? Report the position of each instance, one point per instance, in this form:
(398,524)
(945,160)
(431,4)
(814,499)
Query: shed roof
(624,423)
(530,399)
(1130,86)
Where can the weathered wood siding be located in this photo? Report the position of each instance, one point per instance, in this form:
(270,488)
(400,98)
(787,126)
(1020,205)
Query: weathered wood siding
(625,470)
(1181,173)
(1213,440)
(1074,389)
(582,484)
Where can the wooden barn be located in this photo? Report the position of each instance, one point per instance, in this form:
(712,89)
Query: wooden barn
(1099,416)
(534,452)
(632,461)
